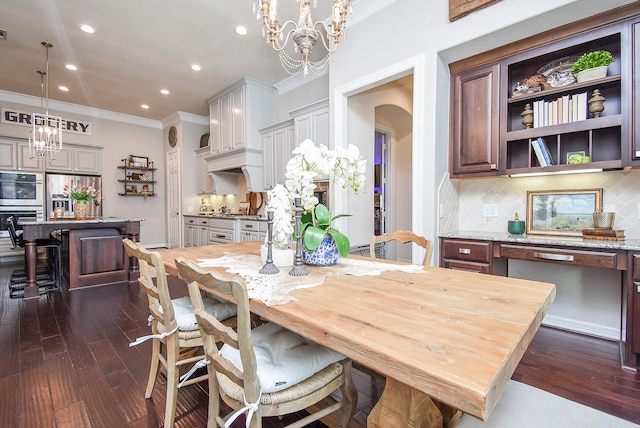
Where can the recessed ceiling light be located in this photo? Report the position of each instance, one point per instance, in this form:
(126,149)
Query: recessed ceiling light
(164,91)
(196,67)
(87,28)
(241,30)
(144,106)
(71,67)
(63,88)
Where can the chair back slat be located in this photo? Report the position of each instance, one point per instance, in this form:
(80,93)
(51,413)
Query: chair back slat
(234,291)
(152,266)
(404,237)
(13,234)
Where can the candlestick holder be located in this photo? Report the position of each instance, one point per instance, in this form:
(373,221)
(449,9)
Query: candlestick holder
(298,268)
(269,268)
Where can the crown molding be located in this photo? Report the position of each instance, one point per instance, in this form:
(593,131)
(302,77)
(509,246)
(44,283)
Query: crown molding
(60,106)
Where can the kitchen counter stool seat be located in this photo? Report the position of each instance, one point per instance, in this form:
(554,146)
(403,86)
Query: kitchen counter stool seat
(48,278)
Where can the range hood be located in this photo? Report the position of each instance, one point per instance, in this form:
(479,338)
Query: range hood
(230,172)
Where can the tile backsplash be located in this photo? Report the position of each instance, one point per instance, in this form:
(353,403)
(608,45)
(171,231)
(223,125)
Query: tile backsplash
(461,201)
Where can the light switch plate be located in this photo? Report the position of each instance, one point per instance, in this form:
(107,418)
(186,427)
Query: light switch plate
(489,210)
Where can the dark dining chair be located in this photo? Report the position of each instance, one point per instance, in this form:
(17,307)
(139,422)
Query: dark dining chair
(49,277)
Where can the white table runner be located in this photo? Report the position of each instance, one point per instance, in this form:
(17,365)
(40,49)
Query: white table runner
(274,289)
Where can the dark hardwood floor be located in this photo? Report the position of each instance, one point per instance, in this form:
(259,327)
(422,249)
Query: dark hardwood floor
(66,362)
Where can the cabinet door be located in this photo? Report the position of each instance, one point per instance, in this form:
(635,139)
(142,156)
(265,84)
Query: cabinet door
(238,112)
(214,126)
(63,161)
(283,146)
(321,127)
(25,162)
(87,160)
(634,306)
(8,155)
(269,168)
(226,127)
(474,122)
(304,128)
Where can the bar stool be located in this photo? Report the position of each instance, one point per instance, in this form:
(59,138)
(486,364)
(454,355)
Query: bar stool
(48,278)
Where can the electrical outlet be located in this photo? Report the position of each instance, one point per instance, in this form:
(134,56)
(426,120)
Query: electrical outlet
(441,210)
(638,208)
(489,210)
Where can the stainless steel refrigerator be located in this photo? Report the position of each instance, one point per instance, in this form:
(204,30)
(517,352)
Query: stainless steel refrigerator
(54,189)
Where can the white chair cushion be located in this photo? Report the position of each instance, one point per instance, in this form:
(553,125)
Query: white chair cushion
(186,319)
(283,357)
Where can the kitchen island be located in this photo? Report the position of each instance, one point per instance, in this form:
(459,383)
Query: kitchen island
(92,250)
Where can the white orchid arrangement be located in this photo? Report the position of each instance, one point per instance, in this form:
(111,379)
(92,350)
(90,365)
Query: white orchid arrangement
(344,167)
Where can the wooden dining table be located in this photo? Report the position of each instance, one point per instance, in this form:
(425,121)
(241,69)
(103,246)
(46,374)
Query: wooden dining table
(446,340)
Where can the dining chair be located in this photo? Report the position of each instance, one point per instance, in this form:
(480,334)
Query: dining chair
(404,237)
(48,278)
(173,324)
(268,370)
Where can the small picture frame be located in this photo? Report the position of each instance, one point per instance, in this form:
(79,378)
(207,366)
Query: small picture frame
(139,161)
(131,188)
(578,157)
(562,212)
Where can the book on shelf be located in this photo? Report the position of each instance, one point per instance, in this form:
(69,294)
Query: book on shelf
(548,159)
(582,106)
(538,151)
(606,233)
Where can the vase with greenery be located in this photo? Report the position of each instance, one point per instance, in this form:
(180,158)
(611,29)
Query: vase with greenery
(589,61)
(345,169)
(81,196)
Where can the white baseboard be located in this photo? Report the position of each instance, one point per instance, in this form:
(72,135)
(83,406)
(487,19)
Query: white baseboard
(582,327)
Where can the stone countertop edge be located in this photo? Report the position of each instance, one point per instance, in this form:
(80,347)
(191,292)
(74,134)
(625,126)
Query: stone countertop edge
(72,220)
(229,217)
(567,241)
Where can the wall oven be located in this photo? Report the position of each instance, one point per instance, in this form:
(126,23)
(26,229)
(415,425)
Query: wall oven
(20,189)
(24,213)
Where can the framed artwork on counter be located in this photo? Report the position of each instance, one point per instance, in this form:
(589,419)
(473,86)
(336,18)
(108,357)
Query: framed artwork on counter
(562,212)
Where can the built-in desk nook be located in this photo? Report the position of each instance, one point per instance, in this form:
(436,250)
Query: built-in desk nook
(490,253)
(92,250)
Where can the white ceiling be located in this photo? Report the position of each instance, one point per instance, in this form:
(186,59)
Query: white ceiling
(138,48)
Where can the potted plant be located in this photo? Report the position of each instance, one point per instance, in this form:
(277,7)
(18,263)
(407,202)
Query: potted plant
(345,168)
(81,195)
(592,65)
(515,226)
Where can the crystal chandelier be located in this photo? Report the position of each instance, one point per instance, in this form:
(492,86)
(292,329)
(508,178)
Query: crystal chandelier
(304,34)
(45,139)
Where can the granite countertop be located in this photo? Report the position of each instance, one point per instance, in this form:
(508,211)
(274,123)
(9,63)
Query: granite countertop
(75,221)
(569,241)
(229,216)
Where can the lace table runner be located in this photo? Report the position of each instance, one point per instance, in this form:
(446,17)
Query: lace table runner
(274,289)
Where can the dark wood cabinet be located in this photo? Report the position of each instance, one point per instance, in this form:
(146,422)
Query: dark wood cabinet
(474,122)
(487,134)
(633,297)
(460,254)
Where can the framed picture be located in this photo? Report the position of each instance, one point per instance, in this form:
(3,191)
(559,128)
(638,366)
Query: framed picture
(139,161)
(562,212)
(578,156)
(460,8)
(131,188)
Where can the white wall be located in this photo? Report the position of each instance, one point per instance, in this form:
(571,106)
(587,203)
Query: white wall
(119,135)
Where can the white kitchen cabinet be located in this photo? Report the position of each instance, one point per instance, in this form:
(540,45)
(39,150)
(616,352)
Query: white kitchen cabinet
(14,156)
(278,142)
(203,230)
(237,113)
(312,122)
(76,159)
(224,231)
(191,232)
(205,184)
(253,230)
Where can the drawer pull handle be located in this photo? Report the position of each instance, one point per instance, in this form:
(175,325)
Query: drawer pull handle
(556,257)
(220,236)
(464,251)
(249,226)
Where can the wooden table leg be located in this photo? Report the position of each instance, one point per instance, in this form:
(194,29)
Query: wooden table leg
(30,261)
(402,406)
